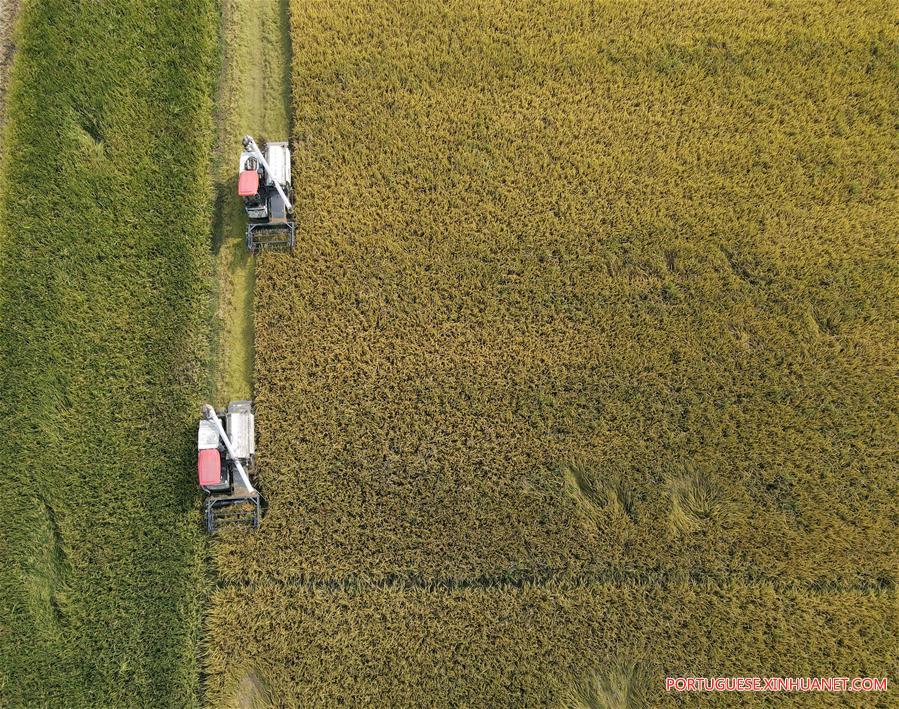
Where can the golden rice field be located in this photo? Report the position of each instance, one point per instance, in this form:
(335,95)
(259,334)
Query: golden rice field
(585,356)
(534,645)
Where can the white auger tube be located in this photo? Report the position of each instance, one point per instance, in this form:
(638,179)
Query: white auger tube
(210,414)
(251,147)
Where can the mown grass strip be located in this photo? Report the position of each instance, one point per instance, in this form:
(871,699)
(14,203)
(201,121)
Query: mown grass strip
(104,302)
(534,646)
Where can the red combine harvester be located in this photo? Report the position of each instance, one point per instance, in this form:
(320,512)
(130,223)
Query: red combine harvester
(225,452)
(264,184)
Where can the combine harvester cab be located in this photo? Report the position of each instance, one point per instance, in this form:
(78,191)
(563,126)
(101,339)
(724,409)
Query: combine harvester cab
(225,454)
(264,184)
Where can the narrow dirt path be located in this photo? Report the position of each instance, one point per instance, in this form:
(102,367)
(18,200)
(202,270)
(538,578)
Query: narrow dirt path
(9,10)
(254,98)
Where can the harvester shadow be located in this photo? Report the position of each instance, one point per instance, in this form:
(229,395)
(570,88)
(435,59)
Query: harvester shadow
(229,223)
(218,218)
(185,493)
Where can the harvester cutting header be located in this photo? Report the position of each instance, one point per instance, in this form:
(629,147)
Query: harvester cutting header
(264,184)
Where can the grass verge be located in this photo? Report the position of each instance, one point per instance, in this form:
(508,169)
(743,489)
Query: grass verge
(103,333)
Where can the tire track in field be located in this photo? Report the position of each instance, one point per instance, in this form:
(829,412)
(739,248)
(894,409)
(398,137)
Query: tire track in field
(561,579)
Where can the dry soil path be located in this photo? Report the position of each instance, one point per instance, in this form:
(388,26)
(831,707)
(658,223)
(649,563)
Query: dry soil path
(9,10)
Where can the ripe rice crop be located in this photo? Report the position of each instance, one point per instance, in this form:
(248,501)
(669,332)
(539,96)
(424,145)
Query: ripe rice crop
(584,288)
(536,646)
(582,373)
(104,325)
